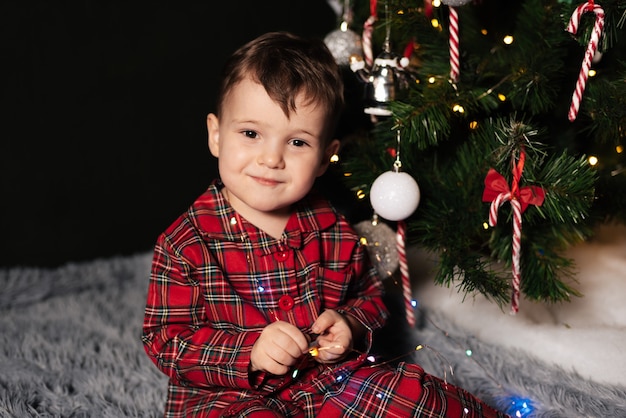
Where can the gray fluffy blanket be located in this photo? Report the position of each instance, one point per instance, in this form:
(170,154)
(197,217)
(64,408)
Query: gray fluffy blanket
(70,347)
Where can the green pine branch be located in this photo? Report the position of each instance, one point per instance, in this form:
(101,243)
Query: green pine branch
(511,98)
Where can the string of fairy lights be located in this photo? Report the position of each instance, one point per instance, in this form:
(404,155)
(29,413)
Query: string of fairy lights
(517,406)
(378,237)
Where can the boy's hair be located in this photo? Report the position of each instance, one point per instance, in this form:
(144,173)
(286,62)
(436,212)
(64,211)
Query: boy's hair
(287,65)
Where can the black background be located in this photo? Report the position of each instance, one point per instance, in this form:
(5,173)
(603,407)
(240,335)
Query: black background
(102,129)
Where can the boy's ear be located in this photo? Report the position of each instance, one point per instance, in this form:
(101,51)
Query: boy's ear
(213,129)
(331,149)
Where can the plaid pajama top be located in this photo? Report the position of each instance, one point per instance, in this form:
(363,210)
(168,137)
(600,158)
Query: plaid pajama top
(217,281)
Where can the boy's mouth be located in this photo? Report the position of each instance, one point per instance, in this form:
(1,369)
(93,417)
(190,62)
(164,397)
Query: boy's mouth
(266,181)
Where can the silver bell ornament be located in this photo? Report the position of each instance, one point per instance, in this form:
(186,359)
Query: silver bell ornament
(382,82)
(386,76)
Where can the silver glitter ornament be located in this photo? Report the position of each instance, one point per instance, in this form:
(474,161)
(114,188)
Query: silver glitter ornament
(380,240)
(343,43)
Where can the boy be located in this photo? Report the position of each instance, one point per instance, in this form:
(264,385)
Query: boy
(261,301)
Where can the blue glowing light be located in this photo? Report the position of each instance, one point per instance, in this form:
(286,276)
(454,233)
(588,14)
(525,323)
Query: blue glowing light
(520,407)
(414,303)
(261,288)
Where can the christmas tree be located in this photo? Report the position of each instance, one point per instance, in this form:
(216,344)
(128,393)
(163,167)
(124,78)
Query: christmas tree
(510,116)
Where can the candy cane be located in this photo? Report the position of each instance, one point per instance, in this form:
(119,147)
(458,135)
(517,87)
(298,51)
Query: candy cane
(497,192)
(404,273)
(516,255)
(368,30)
(516,250)
(495,205)
(592,46)
(516,244)
(454,45)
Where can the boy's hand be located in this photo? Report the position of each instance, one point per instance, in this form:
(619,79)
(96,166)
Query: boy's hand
(335,339)
(278,348)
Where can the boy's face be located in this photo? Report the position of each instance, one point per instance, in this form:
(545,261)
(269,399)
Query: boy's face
(267,161)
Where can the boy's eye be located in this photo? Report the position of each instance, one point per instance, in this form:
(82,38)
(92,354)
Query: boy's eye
(298,142)
(250,134)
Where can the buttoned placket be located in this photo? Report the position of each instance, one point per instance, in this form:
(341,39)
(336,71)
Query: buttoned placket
(285,301)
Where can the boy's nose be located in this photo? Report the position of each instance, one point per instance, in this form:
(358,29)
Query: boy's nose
(271,157)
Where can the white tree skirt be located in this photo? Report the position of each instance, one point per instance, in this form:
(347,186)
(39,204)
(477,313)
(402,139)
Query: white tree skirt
(586,335)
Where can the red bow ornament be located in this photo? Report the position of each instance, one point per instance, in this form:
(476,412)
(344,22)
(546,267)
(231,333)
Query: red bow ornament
(495,184)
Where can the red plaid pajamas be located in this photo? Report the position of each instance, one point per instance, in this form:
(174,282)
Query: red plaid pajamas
(217,281)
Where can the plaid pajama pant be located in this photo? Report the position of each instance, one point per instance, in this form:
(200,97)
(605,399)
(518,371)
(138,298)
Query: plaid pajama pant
(368,391)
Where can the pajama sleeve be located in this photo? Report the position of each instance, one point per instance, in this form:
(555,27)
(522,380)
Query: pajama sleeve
(364,298)
(176,334)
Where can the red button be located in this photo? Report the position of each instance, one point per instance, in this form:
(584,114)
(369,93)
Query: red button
(281,255)
(285,302)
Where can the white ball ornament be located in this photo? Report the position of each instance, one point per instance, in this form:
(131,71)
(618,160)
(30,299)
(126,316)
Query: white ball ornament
(394,195)
(455,2)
